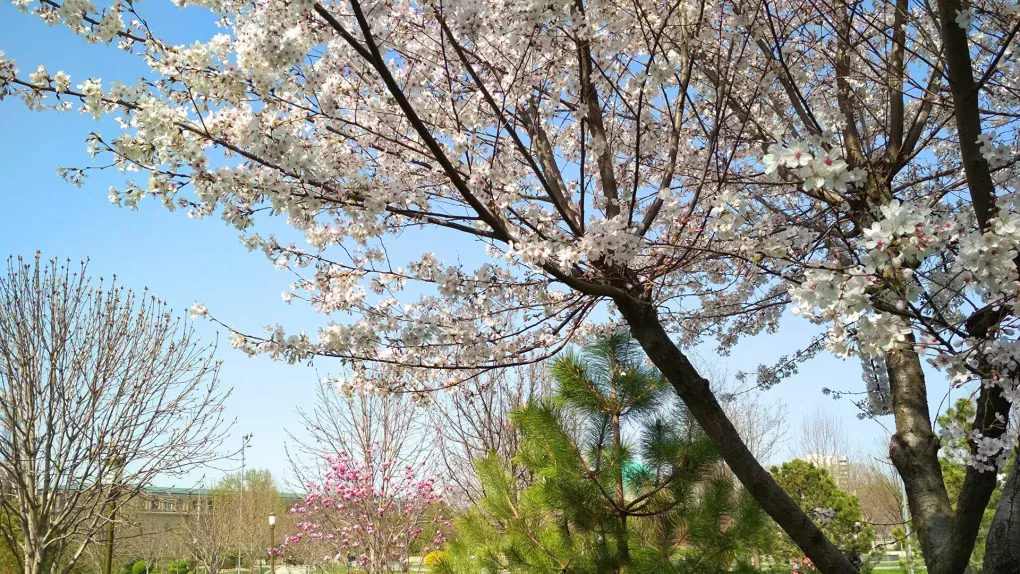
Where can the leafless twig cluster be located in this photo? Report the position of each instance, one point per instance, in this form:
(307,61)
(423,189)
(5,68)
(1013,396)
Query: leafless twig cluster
(101,391)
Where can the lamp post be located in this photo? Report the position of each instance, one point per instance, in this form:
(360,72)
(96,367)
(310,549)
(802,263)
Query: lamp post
(245,442)
(272,543)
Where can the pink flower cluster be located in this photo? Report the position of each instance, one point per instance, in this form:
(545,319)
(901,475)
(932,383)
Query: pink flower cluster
(371,512)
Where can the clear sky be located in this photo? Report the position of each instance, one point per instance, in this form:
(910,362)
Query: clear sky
(183,260)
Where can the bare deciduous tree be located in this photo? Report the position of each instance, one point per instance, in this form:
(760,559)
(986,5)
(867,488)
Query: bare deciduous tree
(242,518)
(206,536)
(822,435)
(761,423)
(101,391)
(358,424)
(475,421)
(156,543)
(877,487)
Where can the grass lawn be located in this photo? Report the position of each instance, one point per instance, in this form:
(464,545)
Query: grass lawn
(891,568)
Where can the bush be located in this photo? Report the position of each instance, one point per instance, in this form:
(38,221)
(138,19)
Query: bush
(178,567)
(139,567)
(434,558)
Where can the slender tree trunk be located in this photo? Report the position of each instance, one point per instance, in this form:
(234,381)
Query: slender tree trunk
(1002,549)
(696,393)
(108,563)
(977,488)
(623,545)
(35,562)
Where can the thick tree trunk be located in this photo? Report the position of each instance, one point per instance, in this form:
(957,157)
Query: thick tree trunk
(701,402)
(1002,548)
(914,451)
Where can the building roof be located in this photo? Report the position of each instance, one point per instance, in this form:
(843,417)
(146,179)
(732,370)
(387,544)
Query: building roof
(173,490)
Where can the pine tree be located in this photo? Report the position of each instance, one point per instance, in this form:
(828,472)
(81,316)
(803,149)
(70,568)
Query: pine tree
(837,512)
(623,481)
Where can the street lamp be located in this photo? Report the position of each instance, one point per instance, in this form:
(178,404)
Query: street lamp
(245,443)
(272,543)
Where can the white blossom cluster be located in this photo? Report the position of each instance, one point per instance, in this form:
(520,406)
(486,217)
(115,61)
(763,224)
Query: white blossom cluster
(996,154)
(467,186)
(815,166)
(871,306)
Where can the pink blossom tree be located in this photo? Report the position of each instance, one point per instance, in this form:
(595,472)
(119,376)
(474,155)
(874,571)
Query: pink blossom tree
(373,513)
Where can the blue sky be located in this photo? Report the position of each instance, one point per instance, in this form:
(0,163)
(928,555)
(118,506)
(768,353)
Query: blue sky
(183,260)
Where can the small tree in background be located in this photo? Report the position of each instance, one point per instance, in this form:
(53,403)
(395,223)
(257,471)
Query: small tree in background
(241,519)
(475,422)
(621,482)
(100,392)
(837,512)
(374,514)
(365,426)
(208,538)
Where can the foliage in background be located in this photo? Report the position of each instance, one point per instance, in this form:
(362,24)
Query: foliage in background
(622,479)
(837,512)
(239,522)
(8,561)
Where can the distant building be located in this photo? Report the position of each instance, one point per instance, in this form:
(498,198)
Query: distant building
(158,510)
(838,466)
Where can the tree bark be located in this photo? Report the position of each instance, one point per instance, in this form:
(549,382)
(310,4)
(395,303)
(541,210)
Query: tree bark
(108,562)
(914,451)
(694,390)
(965,107)
(1001,554)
